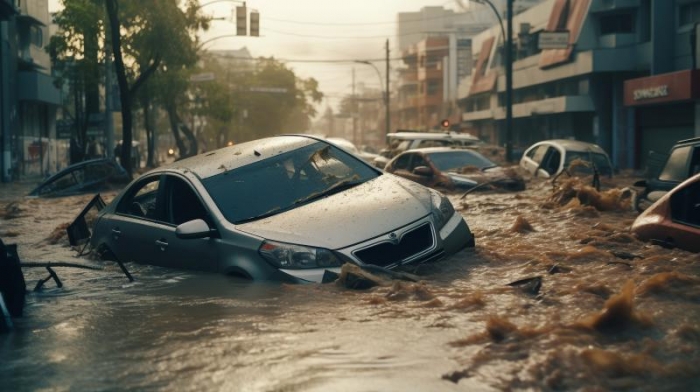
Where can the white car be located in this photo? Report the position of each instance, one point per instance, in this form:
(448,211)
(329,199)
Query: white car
(404,141)
(550,157)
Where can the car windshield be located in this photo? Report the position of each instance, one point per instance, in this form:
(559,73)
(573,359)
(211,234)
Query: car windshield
(600,160)
(285,181)
(452,160)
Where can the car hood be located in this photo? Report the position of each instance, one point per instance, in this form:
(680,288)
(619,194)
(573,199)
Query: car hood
(350,217)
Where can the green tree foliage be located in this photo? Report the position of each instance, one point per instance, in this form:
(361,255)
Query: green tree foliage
(267,99)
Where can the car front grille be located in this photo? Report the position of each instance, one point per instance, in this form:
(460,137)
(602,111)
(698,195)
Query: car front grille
(410,244)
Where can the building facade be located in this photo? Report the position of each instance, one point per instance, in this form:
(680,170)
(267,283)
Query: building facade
(617,50)
(28,97)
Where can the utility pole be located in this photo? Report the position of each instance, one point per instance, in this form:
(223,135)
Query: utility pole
(509,81)
(386,94)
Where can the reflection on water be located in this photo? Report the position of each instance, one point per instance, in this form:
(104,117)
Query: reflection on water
(611,313)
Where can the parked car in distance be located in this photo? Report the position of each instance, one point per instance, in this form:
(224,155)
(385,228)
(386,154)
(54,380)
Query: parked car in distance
(286,207)
(683,162)
(453,169)
(83,177)
(550,157)
(403,141)
(674,219)
(350,147)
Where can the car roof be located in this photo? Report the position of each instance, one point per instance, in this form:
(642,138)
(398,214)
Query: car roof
(431,135)
(437,150)
(238,155)
(573,145)
(686,142)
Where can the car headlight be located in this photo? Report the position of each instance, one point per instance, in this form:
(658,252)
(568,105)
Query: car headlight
(292,256)
(442,209)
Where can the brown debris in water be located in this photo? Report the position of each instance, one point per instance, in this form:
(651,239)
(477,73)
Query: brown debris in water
(671,283)
(472,302)
(573,193)
(354,277)
(58,234)
(12,211)
(521,225)
(617,314)
(401,291)
(498,330)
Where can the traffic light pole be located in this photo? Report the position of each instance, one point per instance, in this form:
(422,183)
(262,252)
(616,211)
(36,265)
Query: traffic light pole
(509,82)
(386,94)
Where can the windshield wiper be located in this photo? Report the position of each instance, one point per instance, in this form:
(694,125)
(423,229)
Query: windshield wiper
(335,188)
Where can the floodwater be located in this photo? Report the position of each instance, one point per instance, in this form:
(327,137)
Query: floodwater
(603,312)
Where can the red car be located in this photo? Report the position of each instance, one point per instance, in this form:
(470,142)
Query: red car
(674,220)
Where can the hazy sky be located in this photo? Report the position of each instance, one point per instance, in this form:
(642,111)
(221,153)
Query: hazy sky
(317,30)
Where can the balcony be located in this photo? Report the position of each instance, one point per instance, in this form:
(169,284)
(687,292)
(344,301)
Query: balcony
(429,73)
(37,86)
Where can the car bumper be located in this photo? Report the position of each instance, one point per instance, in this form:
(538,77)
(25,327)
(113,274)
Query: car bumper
(314,275)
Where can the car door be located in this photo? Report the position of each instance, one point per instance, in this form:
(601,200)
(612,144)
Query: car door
(184,204)
(138,214)
(533,158)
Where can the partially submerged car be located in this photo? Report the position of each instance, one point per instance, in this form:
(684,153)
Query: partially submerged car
(674,219)
(551,157)
(453,169)
(683,162)
(404,141)
(83,177)
(286,207)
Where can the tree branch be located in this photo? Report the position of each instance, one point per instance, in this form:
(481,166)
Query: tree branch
(145,74)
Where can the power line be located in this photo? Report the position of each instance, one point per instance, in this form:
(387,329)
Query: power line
(349,37)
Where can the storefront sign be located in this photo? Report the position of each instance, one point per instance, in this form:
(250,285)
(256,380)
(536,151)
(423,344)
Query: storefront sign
(680,86)
(650,92)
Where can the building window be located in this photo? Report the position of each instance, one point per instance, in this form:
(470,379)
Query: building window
(433,87)
(688,14)
(622,23)
(36,36)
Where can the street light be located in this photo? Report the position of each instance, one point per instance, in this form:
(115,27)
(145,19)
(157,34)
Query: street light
(384,91)
(509,71)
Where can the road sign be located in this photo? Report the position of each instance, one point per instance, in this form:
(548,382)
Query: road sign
(64,128)
(553,40)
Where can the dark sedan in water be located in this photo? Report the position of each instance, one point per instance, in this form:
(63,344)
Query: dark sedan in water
(453,169)
(287,207)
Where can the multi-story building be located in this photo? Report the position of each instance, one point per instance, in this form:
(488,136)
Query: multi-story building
(597,87)
(435,47)
(28,97)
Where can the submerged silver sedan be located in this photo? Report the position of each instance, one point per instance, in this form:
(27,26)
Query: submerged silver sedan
(285,207)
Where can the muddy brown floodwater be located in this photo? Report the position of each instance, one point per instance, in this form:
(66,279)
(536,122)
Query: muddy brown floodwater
(557,295)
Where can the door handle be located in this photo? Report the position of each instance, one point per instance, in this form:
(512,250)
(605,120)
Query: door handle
(116,233)
(162,244)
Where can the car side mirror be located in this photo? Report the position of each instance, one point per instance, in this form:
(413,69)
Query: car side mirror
(423,171)
(641,183)
(542,173)
(196,228)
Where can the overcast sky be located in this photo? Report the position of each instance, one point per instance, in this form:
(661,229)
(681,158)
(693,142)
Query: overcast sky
(318,30)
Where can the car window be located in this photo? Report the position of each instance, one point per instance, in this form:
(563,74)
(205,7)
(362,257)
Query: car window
(62,183)
(434,143)
(695,162)
(402,162)
(552,160)
(685,205)
(98,171)
(183,203)
(676,168)
(601,162)
(403,146)
(417,161)
(269,187)
(538,156)
(140,201)
(452,160)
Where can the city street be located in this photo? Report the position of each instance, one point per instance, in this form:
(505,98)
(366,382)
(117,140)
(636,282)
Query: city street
(595,321)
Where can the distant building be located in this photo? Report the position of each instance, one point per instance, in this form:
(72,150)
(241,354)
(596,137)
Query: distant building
(435,46)
(236,60)
(28,97)
(627,80)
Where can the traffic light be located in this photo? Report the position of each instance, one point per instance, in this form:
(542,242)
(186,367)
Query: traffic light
(254,24)
(445,123)
(241,19)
